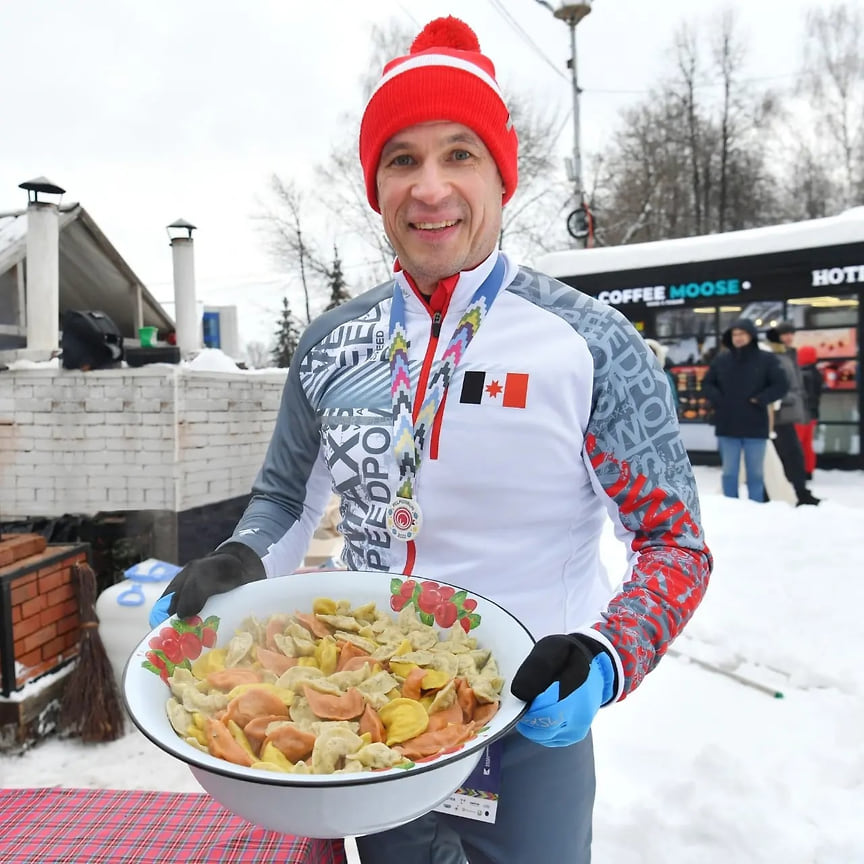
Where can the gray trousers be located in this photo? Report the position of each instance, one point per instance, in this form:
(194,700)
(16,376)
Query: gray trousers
(544,814)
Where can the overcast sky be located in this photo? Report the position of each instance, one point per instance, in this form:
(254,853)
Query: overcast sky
(149,111)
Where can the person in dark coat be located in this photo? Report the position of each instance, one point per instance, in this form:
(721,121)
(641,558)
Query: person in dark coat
(792,411)
(812,378)
(741,383)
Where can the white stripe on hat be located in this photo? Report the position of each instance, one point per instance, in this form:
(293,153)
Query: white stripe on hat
(422,60)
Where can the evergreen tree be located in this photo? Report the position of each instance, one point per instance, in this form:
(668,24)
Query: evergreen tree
(338,290)
(287,337)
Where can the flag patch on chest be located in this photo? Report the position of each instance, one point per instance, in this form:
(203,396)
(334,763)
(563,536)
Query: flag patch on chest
(508,389)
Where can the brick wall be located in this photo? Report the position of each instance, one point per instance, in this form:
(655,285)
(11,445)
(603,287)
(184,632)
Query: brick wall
(157,437)
(224,424)
(42,609)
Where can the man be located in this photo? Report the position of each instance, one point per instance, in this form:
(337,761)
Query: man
(479,422)
(740,384)
(792,411)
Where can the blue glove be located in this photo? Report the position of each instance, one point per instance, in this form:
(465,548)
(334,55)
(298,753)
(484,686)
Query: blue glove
(159,612)
(566,678)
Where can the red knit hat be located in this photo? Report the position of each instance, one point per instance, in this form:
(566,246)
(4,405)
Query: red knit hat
(806,355)
(444,77)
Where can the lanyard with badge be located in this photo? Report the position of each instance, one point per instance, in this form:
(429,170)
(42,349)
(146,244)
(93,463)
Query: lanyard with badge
(478,797)
(404,517)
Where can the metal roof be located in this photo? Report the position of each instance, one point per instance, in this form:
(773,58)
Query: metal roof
(93,274)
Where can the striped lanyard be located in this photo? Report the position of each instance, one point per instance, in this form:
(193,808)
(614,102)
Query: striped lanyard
(403,515)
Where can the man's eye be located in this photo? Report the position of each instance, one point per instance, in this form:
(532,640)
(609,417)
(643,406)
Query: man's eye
(461,155)
(401,160)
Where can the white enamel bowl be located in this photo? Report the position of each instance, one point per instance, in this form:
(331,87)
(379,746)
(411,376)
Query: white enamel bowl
(334,805)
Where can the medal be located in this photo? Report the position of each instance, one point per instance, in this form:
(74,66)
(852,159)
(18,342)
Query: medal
(404,518)
(409,428)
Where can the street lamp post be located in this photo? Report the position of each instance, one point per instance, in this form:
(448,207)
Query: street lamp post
(579,222)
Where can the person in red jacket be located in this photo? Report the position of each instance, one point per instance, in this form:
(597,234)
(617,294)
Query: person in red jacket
(812,379)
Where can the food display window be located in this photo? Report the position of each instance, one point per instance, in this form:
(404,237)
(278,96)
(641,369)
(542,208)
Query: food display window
(693,407)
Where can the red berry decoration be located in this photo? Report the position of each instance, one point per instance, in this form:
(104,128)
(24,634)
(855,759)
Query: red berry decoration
(407,589)
(446,591)
(191,645)
(208,637)
(446,614)
(172,647)
(465,623)
(397,602)
(469,604)
(156,660)
(429,598)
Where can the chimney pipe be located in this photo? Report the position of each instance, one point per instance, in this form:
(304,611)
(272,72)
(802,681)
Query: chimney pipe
(186,318)
(43,266)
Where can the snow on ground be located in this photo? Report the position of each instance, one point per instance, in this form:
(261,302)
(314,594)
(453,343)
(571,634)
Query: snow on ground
(695,766)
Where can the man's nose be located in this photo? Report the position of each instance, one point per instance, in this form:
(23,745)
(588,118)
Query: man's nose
(431,184)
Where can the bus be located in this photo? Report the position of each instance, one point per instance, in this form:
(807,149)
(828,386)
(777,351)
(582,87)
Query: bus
(685,293)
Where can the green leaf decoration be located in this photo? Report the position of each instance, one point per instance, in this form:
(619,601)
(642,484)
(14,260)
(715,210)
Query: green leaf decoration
(182,626)
(426,618)
(405,765)
(474,618)
(151,668)
(211,621)
(395,586)
(458,598)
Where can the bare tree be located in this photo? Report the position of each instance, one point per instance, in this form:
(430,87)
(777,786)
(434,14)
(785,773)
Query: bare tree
(728,59)
(684,162)
(687,56)
(285,226)
(833,81)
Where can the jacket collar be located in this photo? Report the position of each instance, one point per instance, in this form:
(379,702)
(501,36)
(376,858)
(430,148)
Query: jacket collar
(460,290)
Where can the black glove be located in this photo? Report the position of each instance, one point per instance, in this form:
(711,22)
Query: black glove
(566,678)
(227,567)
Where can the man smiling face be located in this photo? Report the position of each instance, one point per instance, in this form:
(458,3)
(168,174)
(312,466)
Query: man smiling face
(440,195)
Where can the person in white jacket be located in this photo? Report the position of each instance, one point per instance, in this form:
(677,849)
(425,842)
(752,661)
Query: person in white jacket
(479,422)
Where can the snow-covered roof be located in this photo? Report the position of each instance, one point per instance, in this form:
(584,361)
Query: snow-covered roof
(846,228)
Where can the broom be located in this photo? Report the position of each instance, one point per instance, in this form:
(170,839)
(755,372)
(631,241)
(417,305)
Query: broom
(91,701)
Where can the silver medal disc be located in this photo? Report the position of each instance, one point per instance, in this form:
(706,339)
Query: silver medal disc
(404,518)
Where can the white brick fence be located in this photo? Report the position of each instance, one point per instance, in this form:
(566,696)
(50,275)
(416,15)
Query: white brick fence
(158,437)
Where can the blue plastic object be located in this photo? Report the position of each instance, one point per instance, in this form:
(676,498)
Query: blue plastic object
(159,612)
(559,723)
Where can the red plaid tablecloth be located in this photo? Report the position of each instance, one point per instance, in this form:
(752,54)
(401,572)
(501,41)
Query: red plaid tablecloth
(99,826)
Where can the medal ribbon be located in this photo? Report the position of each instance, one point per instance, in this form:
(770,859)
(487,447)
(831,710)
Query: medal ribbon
(408,438)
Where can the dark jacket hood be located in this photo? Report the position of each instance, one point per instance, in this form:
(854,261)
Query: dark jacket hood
(741,324)
(774,333)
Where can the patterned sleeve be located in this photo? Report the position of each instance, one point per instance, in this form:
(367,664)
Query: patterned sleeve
(634,448)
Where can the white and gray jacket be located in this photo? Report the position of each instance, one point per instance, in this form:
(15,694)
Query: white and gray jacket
(514,499)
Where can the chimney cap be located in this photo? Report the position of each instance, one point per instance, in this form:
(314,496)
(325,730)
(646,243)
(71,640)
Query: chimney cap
(182,223)
(42,184)
(180,229)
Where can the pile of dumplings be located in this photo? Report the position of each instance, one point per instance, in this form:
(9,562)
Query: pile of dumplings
(339,690)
